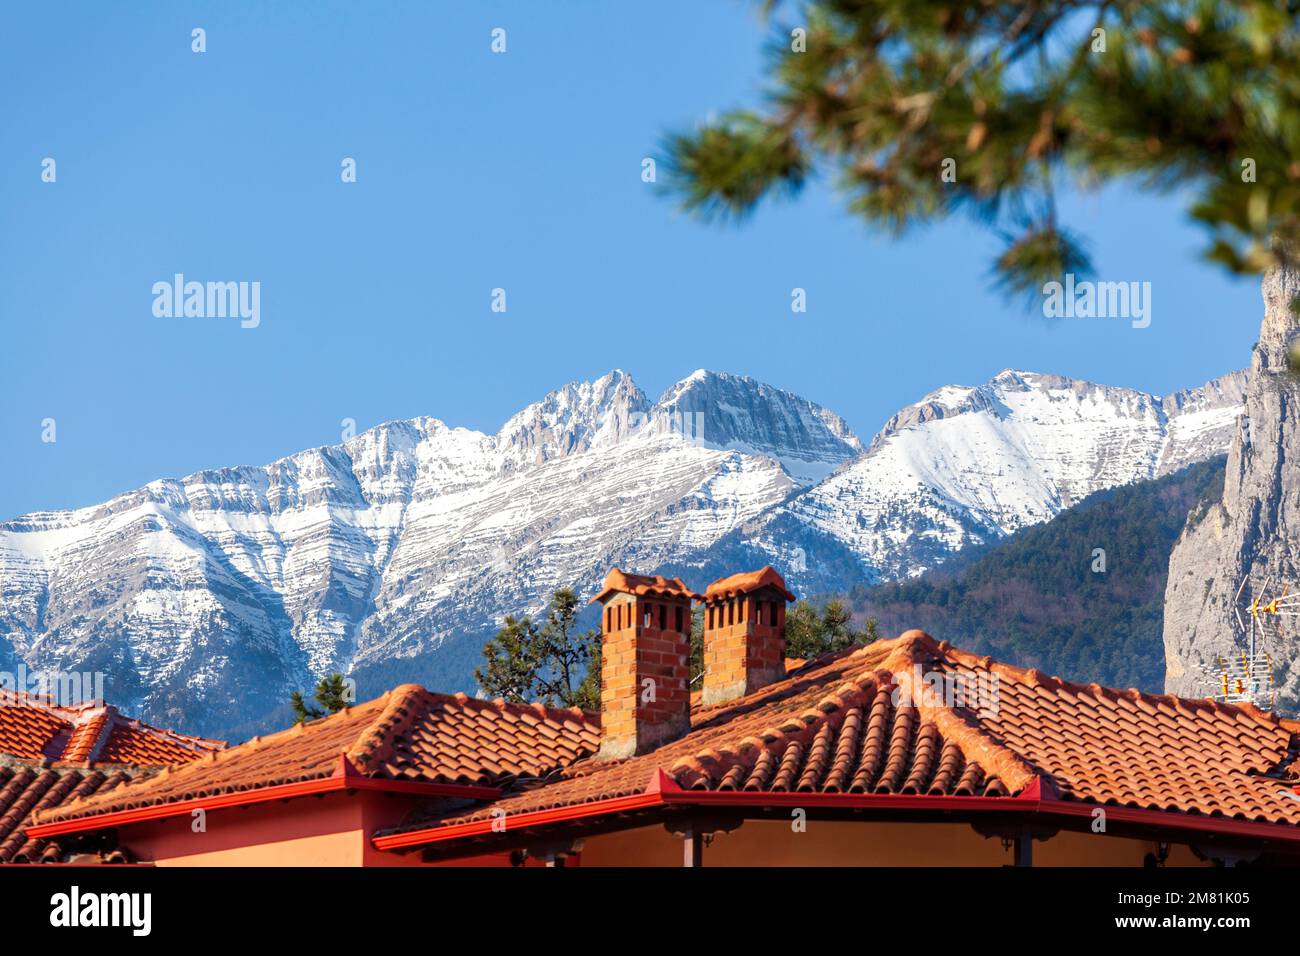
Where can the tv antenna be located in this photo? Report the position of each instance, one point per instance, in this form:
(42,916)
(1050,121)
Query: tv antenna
(1248,677)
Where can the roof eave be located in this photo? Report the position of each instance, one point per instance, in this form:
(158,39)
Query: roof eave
(1029,803)
(337,783)
(669,794)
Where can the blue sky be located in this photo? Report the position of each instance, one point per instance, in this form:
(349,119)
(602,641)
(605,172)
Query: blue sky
(475,171)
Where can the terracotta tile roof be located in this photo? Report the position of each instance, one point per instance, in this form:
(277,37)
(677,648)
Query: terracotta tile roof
(457,739)
(873,720)
(642,584)
(409,734)
(34,728)
(30,786)
(746,582)
(31,731)
(87,736)
(1147,751)
(52,755)
(135,743)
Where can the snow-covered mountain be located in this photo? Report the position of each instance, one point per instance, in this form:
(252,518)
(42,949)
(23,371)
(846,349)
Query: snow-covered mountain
(206,599)
(967,465)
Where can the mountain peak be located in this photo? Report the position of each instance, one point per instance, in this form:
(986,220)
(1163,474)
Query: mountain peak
(729,411)
(704,378)
(573,418)
(1024,380)
(1018,394)
(1017,375)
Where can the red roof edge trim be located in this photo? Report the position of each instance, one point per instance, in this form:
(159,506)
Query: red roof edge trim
(285,791)
(661,782)
(1169,820)
(346,768)
(1036,791)
(1027,802)
(675,795)
(578,811)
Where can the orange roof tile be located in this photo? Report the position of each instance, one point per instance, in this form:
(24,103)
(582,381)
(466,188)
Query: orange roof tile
(31,731)
(27,787)
(52,755)
(409,734)
(34,728)
(642,584)
(1153,751)
(747,582)
(870,721)
(135,743)
(87,736)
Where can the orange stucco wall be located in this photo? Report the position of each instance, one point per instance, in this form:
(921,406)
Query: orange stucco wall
(331,830)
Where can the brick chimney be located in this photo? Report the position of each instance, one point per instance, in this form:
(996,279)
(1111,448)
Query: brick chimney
(645,628)
(744,634)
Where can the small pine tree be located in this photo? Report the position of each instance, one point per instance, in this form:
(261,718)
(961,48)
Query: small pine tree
(810,634)
(333,693)
(511,661)
(302,711)
(697,645)
(552,663)
(566,654)
(803,632)
(837,625)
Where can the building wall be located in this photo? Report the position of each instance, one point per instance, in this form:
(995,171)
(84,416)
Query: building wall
(380,811)
(329,830)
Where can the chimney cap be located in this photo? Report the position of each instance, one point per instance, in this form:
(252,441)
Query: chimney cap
(642,584)
(746,582)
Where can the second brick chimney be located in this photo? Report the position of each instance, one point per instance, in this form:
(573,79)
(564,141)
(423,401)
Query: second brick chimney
(645,662)
(744,634)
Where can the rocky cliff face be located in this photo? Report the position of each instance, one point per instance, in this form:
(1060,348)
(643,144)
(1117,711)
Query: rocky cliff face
(1254,529)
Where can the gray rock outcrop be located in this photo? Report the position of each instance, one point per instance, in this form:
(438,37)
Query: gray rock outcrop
(1254,529)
